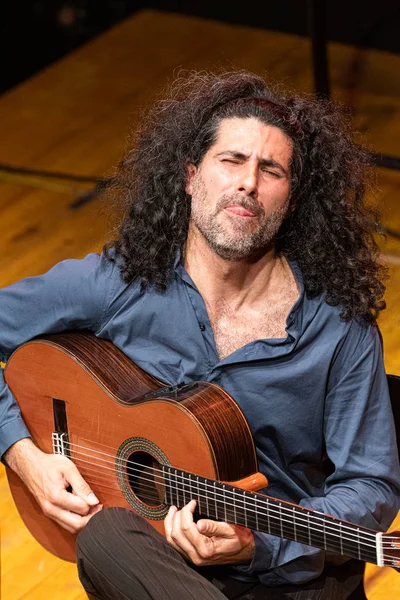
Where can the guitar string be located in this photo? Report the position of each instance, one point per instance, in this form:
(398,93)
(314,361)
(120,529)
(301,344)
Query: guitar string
(357,533)
(306,536)
(300,519)
(161,479)
(358,541)
(303,536)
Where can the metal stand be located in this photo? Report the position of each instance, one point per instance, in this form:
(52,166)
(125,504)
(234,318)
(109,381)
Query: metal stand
(317,29)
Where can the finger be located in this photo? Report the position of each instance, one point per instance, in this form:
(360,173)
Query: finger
(187,523)
(215,528)
(71,521)
(63,525)
(168,522)
(79,485)
(70,502)
(184,534)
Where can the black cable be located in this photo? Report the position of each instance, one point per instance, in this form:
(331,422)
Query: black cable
(92,194)
(51,174)
(386,162)
(391,232)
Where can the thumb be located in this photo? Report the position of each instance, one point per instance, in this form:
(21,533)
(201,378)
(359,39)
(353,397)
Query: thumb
(80,487)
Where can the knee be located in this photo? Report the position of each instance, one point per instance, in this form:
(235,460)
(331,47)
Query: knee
(105,531)
(100,548)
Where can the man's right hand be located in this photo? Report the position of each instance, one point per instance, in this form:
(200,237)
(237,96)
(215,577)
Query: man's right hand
(47,477)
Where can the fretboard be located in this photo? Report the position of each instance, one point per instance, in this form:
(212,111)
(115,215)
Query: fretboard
(220,501)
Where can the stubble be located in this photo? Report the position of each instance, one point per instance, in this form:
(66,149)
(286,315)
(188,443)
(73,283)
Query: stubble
(234,238)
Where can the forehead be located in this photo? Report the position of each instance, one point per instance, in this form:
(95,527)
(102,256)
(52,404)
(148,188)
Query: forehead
(248,135)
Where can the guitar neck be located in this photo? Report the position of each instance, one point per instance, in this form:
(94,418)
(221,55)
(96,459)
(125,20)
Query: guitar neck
(220,501)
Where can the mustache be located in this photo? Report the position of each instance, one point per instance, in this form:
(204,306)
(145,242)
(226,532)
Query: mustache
(245,201)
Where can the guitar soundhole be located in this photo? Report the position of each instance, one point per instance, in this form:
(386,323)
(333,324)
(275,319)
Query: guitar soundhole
(139,463)
(145,478)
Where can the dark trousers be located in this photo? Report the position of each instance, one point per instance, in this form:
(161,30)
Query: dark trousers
(120,556)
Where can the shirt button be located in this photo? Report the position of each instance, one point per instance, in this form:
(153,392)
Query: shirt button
(202,326)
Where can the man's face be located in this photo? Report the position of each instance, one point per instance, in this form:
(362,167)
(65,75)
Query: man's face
(240,190)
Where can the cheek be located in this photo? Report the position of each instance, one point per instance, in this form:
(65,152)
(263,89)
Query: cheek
(277,194)
(219,179)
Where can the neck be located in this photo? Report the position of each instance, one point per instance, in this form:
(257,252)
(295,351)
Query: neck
(241,282)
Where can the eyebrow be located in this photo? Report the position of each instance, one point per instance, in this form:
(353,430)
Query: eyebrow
(265,162)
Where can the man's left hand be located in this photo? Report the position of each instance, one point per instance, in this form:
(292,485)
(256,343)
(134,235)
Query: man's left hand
(207,542)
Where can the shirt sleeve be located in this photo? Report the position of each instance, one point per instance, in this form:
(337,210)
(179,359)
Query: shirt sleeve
(72,295)
(364,487)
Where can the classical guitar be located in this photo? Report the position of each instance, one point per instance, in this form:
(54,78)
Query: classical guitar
(144,446)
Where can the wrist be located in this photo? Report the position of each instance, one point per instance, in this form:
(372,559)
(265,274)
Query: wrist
(20,454)
(249,549)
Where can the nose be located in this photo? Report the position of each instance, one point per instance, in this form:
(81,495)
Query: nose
(248,180)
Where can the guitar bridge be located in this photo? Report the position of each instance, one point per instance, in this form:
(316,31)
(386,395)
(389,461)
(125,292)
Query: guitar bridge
(60,443)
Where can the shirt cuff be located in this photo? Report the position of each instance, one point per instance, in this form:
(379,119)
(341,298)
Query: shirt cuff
(266,549)
(12,432)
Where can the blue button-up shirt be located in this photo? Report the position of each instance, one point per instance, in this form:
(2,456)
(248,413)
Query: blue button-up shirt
(320,392)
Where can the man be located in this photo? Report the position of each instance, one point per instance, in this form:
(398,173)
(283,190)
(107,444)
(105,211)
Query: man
(246,258)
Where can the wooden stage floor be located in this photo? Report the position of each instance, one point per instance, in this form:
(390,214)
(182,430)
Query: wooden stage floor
(74,117)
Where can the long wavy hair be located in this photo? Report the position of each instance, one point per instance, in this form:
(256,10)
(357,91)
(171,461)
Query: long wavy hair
(330,231)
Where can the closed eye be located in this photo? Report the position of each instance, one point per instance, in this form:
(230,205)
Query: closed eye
(274,173)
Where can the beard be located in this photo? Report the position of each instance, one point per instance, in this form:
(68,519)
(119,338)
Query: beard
(242,237)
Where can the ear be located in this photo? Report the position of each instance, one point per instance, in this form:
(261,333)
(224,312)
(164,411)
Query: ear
(191,171)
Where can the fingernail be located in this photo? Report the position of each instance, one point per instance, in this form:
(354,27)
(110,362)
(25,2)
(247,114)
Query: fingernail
(92,498)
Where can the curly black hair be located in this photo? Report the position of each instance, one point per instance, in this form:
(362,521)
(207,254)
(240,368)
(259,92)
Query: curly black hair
(331,230)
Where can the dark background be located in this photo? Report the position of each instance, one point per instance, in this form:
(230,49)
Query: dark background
(34,33)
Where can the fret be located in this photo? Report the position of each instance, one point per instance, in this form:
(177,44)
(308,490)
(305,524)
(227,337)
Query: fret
(244,509)
(176,488)
(183,493)
(280,519)
(268,518)
(271,525)
(215,501)
(358,543)
(224,502)
(240,509)
(294,524)
(198,494)
(167,478)
(324,533)
(190,488)
(257,525)
(172,481)
(207,507)
(234,510)
(309,529)
(341,540)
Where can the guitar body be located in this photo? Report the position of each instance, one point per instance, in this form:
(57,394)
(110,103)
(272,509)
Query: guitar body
(83,387)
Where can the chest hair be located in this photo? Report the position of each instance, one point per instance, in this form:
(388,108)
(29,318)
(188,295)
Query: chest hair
(234,329)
